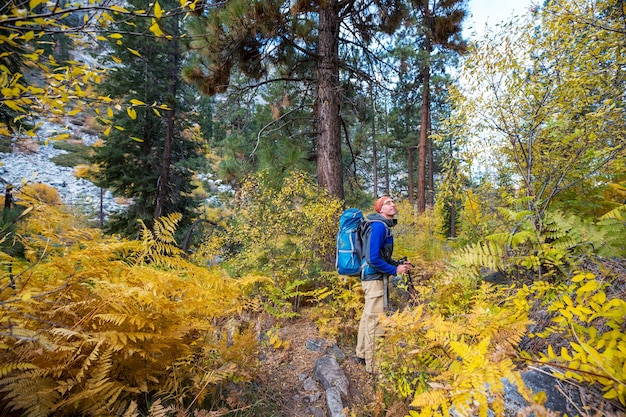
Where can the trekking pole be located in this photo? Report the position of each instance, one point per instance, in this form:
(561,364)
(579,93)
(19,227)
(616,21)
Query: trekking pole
(409,279)
(385,292)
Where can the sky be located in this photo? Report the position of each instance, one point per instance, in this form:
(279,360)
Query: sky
(491,12)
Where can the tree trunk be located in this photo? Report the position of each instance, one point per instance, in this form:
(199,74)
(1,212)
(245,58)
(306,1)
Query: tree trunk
(374,150)
(329,173)
(387,175)
(423,146)
(161,196)
(410,160)
(165,167)
(430,198)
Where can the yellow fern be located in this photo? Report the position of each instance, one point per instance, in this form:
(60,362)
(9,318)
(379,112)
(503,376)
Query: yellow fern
(96,322)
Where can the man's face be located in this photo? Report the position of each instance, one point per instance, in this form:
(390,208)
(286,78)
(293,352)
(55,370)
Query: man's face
(388,209)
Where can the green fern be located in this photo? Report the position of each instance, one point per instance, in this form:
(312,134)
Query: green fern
(548,252)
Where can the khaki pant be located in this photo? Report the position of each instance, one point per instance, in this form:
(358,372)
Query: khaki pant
(369,329)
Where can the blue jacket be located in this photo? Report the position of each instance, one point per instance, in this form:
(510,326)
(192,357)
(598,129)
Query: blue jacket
(378,248)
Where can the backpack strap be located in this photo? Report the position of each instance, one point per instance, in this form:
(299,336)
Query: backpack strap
(365,232)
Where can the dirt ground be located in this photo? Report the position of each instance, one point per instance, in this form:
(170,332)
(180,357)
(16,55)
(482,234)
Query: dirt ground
(284,369)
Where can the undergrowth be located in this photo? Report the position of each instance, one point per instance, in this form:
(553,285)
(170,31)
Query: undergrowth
(92,324)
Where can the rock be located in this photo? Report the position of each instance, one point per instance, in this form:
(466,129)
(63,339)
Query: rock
(315,344)
(329,374)
(316,412)
(18,168)
(337,352)
(538,380)
(309,385)
(333,400)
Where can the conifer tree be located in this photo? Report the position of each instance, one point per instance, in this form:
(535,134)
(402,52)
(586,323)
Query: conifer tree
(441,23)
(301,42)
(146,157)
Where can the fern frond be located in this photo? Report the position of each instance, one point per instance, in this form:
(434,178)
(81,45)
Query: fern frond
(7,368)
(618,213)
(158,410)
(432,399)
(483,254)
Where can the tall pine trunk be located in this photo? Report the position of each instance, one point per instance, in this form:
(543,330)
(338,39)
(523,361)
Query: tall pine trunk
(164,178)
(329,172)
(409,152)
(423,143)
(374,150)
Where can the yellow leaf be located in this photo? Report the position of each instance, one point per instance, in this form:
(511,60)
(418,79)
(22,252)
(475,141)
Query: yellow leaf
(610,394)
(34,3)
(156,112)
(118,9)
(13,105)
(120,128)
(567,300)
(62,136)
(134,52)
(115,36)
(107,131)
(158,12)
(29,36)
(26,296)
(540,397)
(156,29)
(136,139)
(109,112)
(136,102)
(131,113)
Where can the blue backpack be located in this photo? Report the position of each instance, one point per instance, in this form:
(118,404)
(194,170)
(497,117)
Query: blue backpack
(349,242)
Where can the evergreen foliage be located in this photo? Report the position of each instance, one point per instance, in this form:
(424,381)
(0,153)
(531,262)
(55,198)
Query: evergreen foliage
(143,145)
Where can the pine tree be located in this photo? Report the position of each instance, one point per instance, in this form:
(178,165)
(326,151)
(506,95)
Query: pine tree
(299,42)
(441,22)
(146,158)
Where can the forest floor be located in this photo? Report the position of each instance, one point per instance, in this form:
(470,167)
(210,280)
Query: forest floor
(282,371)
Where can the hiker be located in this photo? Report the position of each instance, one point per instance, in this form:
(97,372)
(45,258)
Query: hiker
(379,266)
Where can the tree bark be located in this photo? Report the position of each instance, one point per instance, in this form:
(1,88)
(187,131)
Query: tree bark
(329,172)
(409,151)
(423,146)
(374,150)
(430,198)
(162,186)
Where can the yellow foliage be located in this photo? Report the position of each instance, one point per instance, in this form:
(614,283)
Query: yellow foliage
(415,235)
(94,323)
(39,194)
(456,362)
(287,234)
(84,171)
(593,324)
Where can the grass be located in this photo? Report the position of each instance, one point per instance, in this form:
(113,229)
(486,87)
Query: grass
(76,154)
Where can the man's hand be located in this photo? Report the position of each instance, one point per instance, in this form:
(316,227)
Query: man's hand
(403,268)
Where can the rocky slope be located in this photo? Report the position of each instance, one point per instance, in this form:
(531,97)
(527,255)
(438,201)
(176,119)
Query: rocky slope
(32,164)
